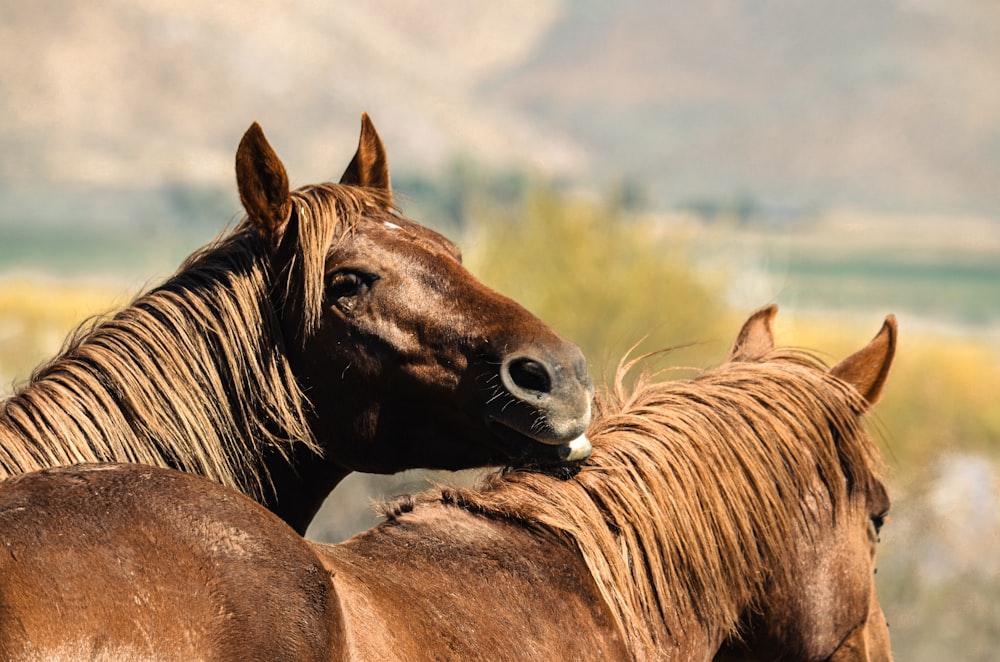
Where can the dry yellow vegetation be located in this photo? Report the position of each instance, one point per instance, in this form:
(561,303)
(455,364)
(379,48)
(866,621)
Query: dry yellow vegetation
(37,314)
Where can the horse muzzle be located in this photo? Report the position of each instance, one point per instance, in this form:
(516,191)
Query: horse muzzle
(543,406)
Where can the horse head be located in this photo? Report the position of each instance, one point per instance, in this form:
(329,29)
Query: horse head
(832,611)
(408,359)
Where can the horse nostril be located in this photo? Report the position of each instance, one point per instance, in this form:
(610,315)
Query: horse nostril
(530,375)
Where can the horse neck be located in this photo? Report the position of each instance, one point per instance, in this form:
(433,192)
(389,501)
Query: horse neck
(438,568)
(299,482)
(191,376)
(657,619)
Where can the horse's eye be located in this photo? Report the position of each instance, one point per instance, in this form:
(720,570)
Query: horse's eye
(345,285)
(879,520)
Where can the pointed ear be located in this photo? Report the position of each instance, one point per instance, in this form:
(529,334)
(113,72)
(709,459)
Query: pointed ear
(263,183)
(867,369)
(369,167)
(756,338)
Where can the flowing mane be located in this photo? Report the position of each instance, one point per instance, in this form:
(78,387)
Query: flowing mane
(156,382)
(693,486)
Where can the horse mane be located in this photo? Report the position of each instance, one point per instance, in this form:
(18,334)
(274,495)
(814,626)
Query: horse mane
(193,375)
(694,488)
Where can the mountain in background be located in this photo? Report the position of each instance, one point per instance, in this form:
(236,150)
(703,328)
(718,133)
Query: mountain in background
(892,105)
(139,92)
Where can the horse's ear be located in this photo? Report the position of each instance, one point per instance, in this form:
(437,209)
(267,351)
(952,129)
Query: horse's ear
(369,167)
(263,183)
(756,338)
(867,369)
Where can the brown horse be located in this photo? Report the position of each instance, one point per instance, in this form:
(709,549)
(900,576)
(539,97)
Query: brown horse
(740,502)
(325,334)
(827,599)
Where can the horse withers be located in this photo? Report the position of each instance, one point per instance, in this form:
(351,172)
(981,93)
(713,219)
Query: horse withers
(732,514)
(325,334)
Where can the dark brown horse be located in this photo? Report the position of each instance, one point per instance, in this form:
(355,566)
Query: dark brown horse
(325,334)
(742,502)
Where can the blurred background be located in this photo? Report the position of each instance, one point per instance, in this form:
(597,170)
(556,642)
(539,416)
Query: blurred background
(633,172)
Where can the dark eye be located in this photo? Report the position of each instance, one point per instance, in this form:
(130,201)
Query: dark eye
(879,520)
(344,286)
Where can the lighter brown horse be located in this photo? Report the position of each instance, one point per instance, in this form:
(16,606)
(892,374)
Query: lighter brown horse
(826,600)
(325,334)
(712,508)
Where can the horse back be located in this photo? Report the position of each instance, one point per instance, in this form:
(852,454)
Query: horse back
(468,588)
(132,562)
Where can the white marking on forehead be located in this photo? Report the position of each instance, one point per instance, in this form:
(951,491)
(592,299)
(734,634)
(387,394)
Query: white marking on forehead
(392,226)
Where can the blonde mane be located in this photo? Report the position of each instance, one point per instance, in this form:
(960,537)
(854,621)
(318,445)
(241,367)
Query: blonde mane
(193,374)
(693,487)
